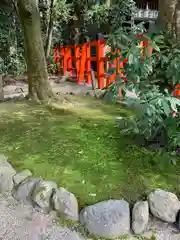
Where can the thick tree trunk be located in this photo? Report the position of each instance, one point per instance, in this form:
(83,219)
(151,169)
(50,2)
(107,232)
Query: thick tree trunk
(1,89)
(39,85)
(50,30)
(169,16)
(177,21)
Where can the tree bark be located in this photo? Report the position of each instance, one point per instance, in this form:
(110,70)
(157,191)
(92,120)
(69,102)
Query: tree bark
(169,17)
(177,21)
(1,89)
(39,85)
(108,3)
(50,30)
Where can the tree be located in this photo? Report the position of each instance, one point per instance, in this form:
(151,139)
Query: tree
(169,16)
(29,16)
(1,89)
(108,3)
(50,29)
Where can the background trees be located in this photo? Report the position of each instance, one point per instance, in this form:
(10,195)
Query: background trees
(54,21)
(29,29)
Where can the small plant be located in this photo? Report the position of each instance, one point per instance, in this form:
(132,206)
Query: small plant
(52,66)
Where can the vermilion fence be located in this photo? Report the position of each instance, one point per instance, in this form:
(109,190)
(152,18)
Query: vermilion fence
(77,60)
(82,60)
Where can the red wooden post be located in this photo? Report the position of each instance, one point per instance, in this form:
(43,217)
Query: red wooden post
(82,63)
(100,60)
(88,64)
(65,66)
(77,60)
(69,60)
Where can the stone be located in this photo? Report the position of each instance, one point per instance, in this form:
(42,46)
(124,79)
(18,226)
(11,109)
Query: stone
(160,235)
(65,203)
(164,205)
(23,192)
(20,177)
(21,97)
(42,194)
(6,174)
(108,219)
(140,217)
(18,90)
(161,230)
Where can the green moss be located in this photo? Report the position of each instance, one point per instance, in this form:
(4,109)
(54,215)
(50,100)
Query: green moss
(80,148)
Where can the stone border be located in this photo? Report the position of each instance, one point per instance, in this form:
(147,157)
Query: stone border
(108,219)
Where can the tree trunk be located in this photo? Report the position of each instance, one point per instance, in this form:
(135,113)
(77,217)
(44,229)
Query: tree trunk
(169,17)
(39,85)
(177,21)
(1,89)
(50,30)
(108,3)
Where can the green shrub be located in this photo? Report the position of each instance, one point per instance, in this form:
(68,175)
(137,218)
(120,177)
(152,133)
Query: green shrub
(154,103)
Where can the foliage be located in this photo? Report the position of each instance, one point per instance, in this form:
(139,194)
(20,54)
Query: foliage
(115,15)
(153,105)
(11,51)
(14,64)
(166,63)
(63,11)
(98,13)
(121,12)
(51,65)
(173,130)
(84,13)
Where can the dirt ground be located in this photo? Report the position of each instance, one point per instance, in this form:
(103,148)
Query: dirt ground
(18,86)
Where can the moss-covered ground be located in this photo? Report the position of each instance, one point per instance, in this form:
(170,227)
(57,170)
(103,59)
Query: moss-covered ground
(80,148)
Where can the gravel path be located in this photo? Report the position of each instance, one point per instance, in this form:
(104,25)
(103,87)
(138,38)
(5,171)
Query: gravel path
(20,88)
(19,222)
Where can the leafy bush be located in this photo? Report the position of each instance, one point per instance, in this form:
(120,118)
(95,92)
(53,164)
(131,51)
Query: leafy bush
(14,64)
(154,104)
(166,63)
(52,66)
(11,48)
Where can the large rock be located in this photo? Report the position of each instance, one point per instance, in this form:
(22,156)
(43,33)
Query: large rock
(65,203)
(108,219)
(42,194)
(20,177)
(6,174)
(24,191)
(140,217)
(164,205)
